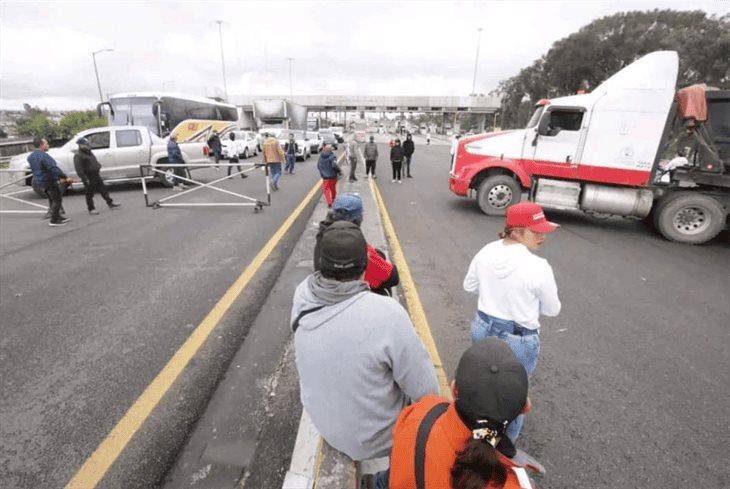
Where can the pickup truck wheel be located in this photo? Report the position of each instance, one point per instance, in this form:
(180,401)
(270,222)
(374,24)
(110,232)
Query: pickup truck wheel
(689,217)
(167,179)
(245,153)
(496,193)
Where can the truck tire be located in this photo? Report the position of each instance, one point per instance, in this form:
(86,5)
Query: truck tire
(245,153)
(496,193)
(689,217)
(167,179)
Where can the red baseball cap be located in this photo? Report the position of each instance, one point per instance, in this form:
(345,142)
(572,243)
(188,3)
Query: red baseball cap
(531,216)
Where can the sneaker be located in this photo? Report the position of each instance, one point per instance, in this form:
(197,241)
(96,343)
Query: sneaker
(114,206)
(393,181)
(178,188)
(400,181)
(62,222)
(244,175)
(410,176)
(375,177)
(93,212)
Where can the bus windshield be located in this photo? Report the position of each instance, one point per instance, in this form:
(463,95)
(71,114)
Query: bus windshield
(134,111)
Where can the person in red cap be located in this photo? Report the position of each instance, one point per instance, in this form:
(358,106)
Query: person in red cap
(515,287)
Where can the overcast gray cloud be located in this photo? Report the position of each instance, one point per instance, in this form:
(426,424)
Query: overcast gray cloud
(339,47)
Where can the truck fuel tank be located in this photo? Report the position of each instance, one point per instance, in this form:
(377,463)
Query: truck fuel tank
(620,201)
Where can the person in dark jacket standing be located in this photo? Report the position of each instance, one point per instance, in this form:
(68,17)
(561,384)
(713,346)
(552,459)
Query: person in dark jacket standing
(291,148)
(175,157)
(380,273)
(47,175)
(408,149)
(88,168)
(396,160)
(329,171)
(370,152)
(214,143)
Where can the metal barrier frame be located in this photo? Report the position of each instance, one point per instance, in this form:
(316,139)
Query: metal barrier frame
(162,168)
(11,196)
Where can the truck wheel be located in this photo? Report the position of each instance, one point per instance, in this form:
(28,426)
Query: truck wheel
(245,153)
(496,193)
(689,217)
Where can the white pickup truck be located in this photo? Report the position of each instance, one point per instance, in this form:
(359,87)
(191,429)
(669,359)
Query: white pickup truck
(120,150)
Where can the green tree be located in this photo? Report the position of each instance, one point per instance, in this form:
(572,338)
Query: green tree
(38,125)
(587,57)
(76,121)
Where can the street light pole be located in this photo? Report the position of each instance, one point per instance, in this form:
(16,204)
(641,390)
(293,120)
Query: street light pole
(223,63)
(291,91)
(476,63)
(96,71)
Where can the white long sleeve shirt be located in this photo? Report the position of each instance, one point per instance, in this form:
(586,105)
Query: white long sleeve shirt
(513,284)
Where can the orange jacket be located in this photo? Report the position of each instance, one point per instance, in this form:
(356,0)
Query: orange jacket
(447,438)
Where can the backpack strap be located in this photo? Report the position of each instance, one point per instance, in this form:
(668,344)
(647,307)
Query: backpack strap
(295,324)
(424,429)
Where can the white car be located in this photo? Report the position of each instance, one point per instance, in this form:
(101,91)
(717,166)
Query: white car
(304,150)
(120,151)
(245,145)
(316,143)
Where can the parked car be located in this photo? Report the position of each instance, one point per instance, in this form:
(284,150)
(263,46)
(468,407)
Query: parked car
(303,149)
(245,145)
(328,137)
(120,150)
(315,141)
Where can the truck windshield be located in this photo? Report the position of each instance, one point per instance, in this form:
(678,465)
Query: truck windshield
(535,116)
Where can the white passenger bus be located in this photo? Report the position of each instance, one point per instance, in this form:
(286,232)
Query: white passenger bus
(164,112)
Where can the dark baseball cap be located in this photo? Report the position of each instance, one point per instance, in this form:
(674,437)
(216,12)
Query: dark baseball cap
(343,247)
(82,141)
(491,384)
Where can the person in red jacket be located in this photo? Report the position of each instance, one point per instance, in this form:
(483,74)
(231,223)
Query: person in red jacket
(462,444)
(380,274)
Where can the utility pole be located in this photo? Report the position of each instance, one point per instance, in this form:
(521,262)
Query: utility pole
(223,62)
(476,63)
(98,84)
(291,91)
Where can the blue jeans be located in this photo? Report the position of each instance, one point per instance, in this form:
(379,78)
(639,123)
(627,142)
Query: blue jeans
(275,169)
(526,348)
(290,160)
(382,479)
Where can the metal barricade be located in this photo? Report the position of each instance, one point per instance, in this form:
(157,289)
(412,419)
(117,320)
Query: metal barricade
(42,209)
(162,169)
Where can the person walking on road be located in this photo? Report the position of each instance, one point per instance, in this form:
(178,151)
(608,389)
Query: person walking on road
(233,159)
(47,175)
(329,171)
(380,274)
(461,444)
(428,138)
(352,157)
(396,160)
(408,149)
(175,157)
(359,359)
(515,287)
(88,169)
(370,152)
(291,148)
(214,143)
(273,156)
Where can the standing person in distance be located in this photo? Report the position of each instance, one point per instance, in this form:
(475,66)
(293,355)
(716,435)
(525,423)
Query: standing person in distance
(370,152)
(329,171)
(291,148)
(408,149)
(175,157)
(515,287)
(47,175)
(214,143)
(88,169)
(352,157)
(464,447)
(396,160)
(273,156)
(233,159)
(428,137)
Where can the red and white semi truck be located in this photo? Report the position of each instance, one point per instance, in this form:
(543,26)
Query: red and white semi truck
(604,153)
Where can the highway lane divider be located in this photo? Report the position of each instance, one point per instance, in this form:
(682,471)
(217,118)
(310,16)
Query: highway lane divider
(104,456)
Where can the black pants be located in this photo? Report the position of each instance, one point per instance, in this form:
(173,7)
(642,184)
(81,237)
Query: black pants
(396,169)
(180,172)
(96,184)
(353,167)
(407,164)
(370,167)
(232,161)
(53,191)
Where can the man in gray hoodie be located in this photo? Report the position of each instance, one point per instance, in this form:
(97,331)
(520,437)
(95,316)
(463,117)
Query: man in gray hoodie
(359,359)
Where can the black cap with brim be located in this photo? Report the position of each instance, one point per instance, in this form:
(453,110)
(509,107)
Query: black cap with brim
(343,247)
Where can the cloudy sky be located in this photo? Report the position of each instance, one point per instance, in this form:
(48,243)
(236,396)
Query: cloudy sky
(338,47)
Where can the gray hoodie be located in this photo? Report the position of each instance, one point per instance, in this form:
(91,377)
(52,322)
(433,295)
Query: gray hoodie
(359,361)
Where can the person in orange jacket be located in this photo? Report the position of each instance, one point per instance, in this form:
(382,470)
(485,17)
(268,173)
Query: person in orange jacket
(462,444)
(380,273)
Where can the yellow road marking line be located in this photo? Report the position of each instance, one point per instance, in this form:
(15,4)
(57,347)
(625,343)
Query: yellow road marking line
(97,465)
(413,301)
